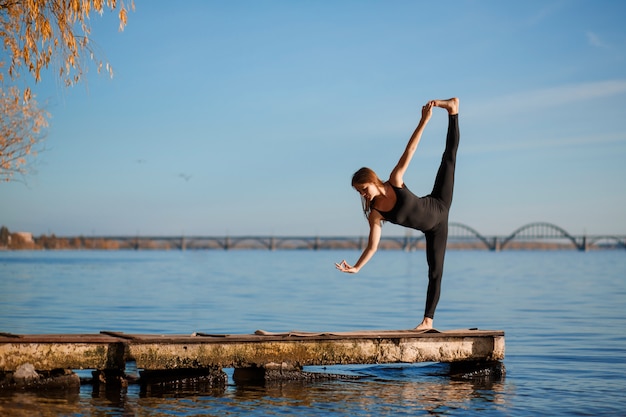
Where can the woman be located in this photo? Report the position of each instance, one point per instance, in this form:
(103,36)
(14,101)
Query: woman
(392,201)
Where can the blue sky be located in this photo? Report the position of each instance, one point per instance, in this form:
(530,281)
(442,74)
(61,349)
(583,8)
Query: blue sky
(249,117)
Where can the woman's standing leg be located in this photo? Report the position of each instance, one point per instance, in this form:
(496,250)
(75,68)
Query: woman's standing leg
(436,241)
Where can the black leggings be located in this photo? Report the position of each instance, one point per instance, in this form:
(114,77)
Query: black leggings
(437,237)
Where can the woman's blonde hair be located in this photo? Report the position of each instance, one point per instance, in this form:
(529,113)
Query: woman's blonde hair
(366,176)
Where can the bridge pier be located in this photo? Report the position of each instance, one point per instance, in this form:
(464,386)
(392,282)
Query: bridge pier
(584,246)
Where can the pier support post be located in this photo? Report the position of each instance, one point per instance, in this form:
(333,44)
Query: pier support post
(269,372)
(277,372)
(201,379)
(113,373)
(482,370)
(109,378)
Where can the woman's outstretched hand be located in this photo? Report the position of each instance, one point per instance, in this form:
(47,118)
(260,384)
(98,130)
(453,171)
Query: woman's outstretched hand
(343,266)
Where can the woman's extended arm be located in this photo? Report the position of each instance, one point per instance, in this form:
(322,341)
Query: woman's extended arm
(396,177)
(375,219)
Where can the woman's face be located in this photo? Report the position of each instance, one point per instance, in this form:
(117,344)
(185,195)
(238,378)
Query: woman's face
(367,190)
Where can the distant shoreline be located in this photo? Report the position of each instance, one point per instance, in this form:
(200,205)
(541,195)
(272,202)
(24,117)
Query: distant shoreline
(409,242)
(147,244)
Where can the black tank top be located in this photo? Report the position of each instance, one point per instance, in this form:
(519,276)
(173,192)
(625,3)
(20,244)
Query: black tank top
(421,213)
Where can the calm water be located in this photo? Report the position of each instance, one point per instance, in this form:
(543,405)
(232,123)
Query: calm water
(564,314)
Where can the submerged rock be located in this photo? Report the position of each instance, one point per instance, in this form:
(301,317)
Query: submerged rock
(26,377)
(25,374)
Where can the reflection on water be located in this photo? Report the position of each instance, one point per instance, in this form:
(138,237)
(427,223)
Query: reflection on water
(378,390)
(30,404)
(392,389)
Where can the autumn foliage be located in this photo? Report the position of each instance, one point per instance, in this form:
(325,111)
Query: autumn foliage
(38,34)
(21,131)
(36,31)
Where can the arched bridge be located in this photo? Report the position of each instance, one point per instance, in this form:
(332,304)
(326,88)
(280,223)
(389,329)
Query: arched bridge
(542,230)
(540,234)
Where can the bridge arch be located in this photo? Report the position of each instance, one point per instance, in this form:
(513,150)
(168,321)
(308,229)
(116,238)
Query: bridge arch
(470,232)
(294,243)
(619,243)
(541,230)
(247,242)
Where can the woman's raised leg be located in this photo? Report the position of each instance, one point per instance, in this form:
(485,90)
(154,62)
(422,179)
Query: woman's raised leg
(444,181)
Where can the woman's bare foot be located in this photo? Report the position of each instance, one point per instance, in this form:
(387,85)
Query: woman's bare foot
(426,324)
(451,104)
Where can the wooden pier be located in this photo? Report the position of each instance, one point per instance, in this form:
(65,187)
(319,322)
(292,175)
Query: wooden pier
(252,355)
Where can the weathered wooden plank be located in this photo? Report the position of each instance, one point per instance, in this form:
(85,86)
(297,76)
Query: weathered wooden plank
(318,349)
(60,338)
(166,352)
(68,354)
